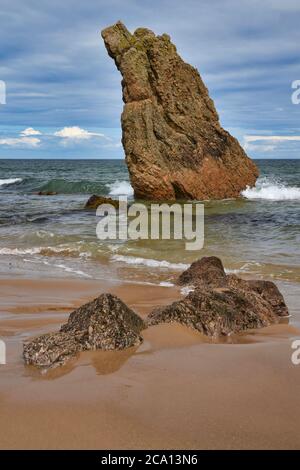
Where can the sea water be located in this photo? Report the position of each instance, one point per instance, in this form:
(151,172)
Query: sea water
(52,236)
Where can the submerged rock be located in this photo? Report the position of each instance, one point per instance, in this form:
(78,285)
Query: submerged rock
(47,193)
(174,144)
(96,201)
(222,304)
(104,323)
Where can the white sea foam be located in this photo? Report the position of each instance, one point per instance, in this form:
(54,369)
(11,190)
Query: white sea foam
(19,251)
(246,267)
(72,270)
(166,284)
(44,250)
(44,234)
(151,263)
(68,269)
(186,290)
(120,188)
(271,190)
(8,181)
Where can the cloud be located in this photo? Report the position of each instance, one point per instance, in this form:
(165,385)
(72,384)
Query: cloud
(248,147)
(30,131)
(271,138)
(267,143)
(20,141)
(25,139)
(56,77)
(76,133)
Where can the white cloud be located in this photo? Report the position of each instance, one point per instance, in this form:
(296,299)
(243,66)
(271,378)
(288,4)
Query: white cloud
(248,147)
(30,131)
(20,141)
(266,143)
(29,137)
(77,133)
(271,138)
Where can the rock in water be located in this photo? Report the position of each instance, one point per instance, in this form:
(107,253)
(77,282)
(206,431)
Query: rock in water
(105,323)
(174,144)
(95,201)
(222,304)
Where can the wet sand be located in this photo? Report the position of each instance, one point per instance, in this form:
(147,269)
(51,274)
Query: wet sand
(176,390)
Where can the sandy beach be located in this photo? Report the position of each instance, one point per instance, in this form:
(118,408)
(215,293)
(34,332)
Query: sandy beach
(176,390)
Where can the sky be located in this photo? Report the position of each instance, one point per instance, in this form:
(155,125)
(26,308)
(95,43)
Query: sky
(60,92)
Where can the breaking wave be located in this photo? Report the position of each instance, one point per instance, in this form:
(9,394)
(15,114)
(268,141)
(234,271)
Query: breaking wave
(120,188)
(8,181)
(271,190)
(62,186)
(61,251)
(151,263)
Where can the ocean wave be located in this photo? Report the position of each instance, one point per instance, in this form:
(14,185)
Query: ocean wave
(68,269)
(120,188)
(62,186)
(65,268)
(271,190)
(166,284)
(9,181)
(59,251)
(249,266)
(19,251)
(151,263)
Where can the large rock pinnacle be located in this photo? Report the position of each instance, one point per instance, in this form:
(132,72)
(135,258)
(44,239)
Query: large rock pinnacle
(174,144)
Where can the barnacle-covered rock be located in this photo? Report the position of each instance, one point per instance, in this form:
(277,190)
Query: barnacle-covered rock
(104,323)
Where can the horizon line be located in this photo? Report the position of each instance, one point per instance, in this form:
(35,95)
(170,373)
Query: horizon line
(121,158)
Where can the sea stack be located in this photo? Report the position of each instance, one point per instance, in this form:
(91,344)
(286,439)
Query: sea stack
(174,144)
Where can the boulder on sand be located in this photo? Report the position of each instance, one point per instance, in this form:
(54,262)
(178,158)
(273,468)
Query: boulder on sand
(104,323)
(222,304)
(207,270)
(174,144)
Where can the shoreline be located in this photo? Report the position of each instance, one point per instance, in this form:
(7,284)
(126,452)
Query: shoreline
(223,395)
